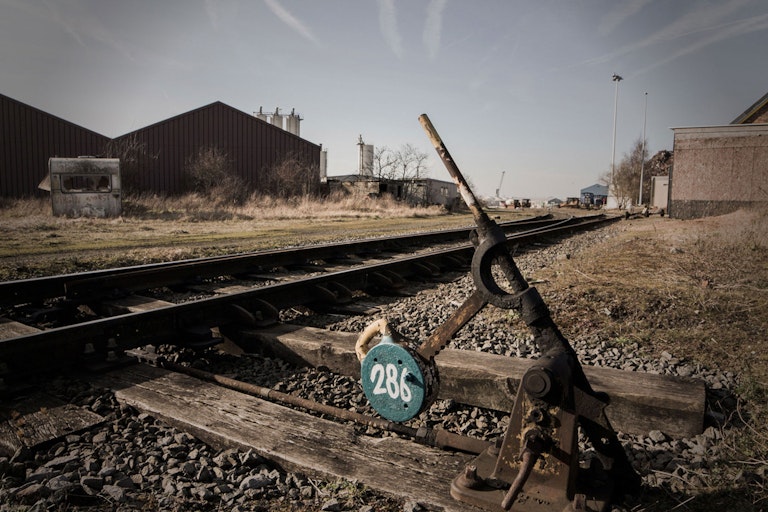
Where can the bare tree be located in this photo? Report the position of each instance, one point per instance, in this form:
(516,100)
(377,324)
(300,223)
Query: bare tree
(411,168)
(405,163)
(290,177)
(410,163)
(626,175)
(134,158)
(384,160)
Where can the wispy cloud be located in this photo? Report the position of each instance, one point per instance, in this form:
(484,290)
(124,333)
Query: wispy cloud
(212,12)
(433,26)
(388,26)
(89,31)
(294,23)
(705,23)
(717,34)
(619,14)
(85,28)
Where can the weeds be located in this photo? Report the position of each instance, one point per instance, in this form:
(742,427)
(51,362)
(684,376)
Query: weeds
(19,208)
(698,290)
(156,228)
(196,207)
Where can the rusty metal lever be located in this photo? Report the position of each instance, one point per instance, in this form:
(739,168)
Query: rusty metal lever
(556,383)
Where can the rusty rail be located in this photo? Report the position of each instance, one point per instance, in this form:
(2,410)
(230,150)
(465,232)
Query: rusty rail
(98,340)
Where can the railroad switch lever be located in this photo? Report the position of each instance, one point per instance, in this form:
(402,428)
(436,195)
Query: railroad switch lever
(536,467)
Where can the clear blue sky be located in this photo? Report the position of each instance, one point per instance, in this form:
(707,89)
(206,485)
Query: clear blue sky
(518,86)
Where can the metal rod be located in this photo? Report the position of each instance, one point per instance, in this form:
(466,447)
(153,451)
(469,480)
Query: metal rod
(431,437)
(486,228)
(481,218)
(529,459)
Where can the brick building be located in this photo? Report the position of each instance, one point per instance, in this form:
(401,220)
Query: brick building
(719,169)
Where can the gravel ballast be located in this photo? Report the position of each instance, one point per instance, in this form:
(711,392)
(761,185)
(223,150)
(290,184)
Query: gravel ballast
(133,462)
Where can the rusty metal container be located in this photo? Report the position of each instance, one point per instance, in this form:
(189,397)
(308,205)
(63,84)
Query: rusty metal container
(85,187)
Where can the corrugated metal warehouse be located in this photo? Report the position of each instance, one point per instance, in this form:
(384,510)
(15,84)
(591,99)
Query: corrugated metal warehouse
(29,137)
(719,169)
(250,144)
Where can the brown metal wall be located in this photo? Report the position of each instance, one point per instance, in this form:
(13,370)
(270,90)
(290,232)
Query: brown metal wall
(251,144)
(29,137)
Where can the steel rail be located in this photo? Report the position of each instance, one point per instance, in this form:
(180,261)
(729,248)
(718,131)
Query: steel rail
(101,283)
(98,340)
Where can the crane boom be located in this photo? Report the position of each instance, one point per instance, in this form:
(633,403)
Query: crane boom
(498,190)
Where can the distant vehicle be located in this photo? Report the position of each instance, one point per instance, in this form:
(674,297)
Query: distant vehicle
(571,202)
(518,203)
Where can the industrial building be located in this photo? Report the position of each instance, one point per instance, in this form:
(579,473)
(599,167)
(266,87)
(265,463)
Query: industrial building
(595,195)
(719,169)
(421,191)
(414,191)
(29,137)
(253,143)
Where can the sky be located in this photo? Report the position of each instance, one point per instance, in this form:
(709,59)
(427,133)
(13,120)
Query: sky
(519,87)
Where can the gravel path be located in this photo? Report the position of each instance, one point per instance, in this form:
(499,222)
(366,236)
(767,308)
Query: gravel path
(132,462)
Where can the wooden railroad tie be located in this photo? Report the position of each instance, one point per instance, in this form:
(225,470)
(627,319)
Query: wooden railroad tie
(294,440)
(640,402)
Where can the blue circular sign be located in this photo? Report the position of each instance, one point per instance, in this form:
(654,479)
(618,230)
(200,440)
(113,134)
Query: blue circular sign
(398,382)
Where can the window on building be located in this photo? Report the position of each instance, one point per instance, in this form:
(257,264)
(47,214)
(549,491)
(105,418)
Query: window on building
(75,183)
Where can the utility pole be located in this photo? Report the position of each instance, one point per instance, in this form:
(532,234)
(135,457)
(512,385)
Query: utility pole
(616,78)
(642,153)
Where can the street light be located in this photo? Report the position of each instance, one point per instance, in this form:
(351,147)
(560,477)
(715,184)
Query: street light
(642,153)
(616,78)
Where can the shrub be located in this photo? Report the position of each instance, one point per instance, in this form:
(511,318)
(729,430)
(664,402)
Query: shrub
(290,177)
(209,173)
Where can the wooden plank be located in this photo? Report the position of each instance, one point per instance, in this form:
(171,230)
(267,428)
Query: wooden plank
(36,419)
(12,329)
(296,441)
(133,304)
(218,288)
(640,402)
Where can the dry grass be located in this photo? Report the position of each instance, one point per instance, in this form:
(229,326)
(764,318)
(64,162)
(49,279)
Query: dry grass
(155,229)
(200,208)
(196,207)
(698,290)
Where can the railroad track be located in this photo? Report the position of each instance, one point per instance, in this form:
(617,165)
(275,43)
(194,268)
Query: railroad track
(93,317)
(125,279)
(244,411)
